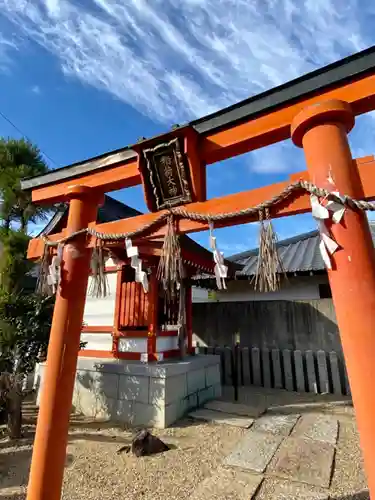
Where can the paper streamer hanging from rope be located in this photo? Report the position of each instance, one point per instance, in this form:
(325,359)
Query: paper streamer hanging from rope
(54,270)
(221,270)
(321,214)
(136,264)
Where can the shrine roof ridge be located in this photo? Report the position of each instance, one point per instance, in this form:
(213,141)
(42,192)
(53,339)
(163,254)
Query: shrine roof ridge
(345,70)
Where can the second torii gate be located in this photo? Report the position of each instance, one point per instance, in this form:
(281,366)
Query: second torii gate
(317,111)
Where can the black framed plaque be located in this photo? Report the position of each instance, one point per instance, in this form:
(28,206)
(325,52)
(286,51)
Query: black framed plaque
(166,174)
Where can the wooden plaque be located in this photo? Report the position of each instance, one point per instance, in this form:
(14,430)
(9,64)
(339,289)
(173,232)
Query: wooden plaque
(166,177)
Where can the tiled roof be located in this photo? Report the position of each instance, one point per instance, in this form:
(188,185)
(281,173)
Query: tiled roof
(298,254)
(111,210)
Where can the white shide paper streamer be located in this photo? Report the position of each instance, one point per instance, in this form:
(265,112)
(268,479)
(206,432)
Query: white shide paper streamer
(321,214)
(221,270)
(136,264)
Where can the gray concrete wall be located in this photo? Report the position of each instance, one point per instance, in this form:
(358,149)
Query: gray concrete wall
(153,395)
(293,288)
(295,325)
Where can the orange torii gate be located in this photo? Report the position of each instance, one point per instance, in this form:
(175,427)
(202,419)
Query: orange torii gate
(317,111)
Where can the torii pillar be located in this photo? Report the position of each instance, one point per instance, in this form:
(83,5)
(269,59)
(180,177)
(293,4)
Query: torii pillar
(322,130)
(49,452)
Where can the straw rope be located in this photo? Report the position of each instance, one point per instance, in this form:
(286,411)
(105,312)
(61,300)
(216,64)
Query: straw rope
(169,270)
(291,192)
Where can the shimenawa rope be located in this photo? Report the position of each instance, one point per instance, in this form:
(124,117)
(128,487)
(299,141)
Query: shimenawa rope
(169,263)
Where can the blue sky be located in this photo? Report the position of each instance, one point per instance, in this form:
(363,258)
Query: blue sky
(82,78)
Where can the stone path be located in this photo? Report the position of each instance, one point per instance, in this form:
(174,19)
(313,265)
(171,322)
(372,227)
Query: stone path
(281,456)
(220,417)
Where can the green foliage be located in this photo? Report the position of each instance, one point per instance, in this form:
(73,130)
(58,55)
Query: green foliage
(13,262)
(25,323)
(19,159)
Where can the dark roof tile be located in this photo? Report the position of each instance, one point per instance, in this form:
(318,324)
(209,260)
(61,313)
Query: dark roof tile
(297,254)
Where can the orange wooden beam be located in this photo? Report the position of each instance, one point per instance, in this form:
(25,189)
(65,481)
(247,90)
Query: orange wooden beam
(275,126)
(229,203)
(269,128)
(119,176)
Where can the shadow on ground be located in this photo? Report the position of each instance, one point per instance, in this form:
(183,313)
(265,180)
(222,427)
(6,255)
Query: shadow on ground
(18,460)
(363,495)
(286,402)
(15,496)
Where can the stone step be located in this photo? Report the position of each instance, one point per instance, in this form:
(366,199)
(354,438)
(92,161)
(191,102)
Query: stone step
(281,425)
(236,408)
(228,484)
(219,417)
(318,427)
(254,452)
(304,461)
(278,489)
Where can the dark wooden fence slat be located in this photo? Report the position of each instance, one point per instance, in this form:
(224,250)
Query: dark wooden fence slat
(245,354)
(256,366)
(318,372)
(266,368)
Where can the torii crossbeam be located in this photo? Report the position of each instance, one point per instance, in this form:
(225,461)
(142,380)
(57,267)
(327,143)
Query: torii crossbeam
(317,111)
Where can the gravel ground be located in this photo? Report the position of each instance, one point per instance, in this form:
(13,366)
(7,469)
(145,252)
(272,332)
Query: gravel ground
(94,470)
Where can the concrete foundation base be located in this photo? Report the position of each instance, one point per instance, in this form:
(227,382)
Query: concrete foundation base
(150,395)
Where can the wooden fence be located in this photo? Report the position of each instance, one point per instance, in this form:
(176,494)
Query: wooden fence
(302,371)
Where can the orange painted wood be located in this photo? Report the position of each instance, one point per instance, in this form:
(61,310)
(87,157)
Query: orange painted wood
(131,356)
(197,167)
(167,333)
(92,353)
(272,127)
(118,301)
(111,269)
(133,307)
(49,451)
(132,333)
(97,329)
(173,353)
(153,305)
(198,261)
(227,203)
(275,125)
(322,131)
(131,310)
(116,177)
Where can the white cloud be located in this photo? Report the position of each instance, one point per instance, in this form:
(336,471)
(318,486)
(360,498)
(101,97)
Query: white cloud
(179,59)
(277,158)
(36,89)
(6,47)
(176,60)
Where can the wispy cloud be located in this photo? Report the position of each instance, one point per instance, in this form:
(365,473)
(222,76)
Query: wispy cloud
(6,47)
(178,59)
(277,158)
(175,60)
(36,89)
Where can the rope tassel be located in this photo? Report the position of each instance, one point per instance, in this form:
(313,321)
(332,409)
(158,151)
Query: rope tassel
(269,266)
(99,282)
(42,286)
(170,264)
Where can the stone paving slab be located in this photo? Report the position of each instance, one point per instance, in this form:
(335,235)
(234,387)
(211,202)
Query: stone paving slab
(304,460)
(254,452)
(281,425)
(228,484)
(219,417)
(278,489)
(318,427)
(236,408)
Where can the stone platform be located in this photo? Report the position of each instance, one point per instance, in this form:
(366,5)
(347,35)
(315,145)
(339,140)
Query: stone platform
(286,456)
(138,394)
